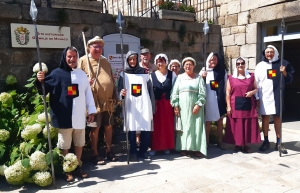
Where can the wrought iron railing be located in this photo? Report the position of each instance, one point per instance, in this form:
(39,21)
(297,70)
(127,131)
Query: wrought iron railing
(205,9)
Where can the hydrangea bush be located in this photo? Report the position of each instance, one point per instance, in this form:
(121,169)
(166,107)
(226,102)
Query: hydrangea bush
(24,153)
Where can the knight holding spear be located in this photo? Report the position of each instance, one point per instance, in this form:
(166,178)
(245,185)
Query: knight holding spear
(269,82)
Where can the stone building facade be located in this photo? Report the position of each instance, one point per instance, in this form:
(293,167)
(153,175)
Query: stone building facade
(175,38)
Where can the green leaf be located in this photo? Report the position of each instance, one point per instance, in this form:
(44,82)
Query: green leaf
(14,155)
(31,79)
(2,150)
(48,158)
(28,147)
(29,85)
(25,162)
(38,147)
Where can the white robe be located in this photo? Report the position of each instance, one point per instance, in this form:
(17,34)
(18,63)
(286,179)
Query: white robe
(84,101)
(265,89)
(139,113)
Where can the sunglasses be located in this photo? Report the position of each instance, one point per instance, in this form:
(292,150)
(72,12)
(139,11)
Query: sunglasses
(240,63)
(97,47)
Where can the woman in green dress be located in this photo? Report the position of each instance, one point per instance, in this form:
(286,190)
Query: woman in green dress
(188,99)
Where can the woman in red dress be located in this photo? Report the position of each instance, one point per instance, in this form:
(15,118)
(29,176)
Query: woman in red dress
(242,119)
(163,133)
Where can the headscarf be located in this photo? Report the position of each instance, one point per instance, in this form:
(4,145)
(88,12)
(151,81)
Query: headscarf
(276,54)
(174,61)
(235,73)
(188,59)
(133,70)
(63,63)
(158,56)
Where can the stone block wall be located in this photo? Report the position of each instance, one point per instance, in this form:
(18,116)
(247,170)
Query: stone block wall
(160,36)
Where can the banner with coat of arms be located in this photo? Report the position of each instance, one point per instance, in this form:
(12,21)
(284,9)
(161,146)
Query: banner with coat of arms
(23,36)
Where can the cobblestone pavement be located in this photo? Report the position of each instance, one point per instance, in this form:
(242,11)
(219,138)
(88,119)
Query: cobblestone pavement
(220,171)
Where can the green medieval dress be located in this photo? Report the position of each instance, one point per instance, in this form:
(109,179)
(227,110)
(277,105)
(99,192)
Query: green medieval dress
(187,93)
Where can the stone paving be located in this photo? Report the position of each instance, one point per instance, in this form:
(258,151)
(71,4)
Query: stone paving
(220,171)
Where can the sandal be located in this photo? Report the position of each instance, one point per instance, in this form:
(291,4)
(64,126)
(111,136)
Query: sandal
(112,157)
(98,160)
(69,177)
(247,149)
(238,148)
(80,173)
(198,154)
(183,153)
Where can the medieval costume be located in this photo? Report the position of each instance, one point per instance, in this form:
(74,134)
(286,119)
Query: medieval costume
(242,123)
(163,133)
(187,93)
(216,78)
(267,76)
(140,104)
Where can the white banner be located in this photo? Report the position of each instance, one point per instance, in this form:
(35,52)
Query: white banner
(115,61)
(23,36)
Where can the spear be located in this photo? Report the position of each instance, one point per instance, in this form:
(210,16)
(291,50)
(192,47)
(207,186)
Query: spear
(33,13)
(205,31)
(281,148)
(120,21)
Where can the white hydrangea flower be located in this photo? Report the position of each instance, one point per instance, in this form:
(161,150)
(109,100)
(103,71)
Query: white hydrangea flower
(2,169)
(6,98)
(31,131)
(16,173)
(70,162)
(42,118)
(42,178)
(53,132)
(36,67)
(25,120)
(4,135)
(22,147)
(38,161)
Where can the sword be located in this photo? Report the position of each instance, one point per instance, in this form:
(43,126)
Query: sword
(281,149)
(120,21)
(33,13)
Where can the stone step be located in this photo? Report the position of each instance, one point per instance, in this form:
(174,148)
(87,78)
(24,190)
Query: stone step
(95,6)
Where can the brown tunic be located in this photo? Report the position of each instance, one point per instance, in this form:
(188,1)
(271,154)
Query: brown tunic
(104,88)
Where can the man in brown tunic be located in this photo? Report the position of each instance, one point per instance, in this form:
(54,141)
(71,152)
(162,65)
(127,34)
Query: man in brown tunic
(99,71)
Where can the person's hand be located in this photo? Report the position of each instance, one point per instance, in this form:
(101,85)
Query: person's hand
(204,74)
(40,76)
(228,110)
(196,109)
(177,111)
(283,70)
(249,94)
(90,118)
(257,103)
(91,81)
(123,92)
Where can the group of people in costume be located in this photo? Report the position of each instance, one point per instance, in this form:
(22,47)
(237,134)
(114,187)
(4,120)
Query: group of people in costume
(163,108)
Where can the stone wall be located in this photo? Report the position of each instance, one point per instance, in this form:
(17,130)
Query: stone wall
(161,36)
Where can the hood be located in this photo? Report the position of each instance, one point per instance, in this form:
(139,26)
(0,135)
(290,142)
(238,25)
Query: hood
(219,66)
(235,73)
(133,70)
(63,63)
(276,54)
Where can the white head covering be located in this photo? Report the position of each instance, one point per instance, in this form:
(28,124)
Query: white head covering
(207,61)
(235,73)
(276,53)
(161,56)
(174,61)
(190,59)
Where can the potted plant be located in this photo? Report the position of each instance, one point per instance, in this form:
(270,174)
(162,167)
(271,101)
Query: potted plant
(170,10)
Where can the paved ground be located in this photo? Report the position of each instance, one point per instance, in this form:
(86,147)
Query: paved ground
(220,171)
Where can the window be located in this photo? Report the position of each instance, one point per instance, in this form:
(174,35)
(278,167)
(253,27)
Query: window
(125,48)
(271,30)
(293,28)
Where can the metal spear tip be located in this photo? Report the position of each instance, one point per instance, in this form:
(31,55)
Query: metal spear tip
(33,10)
(205,27)
(120,20)
(282,25)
